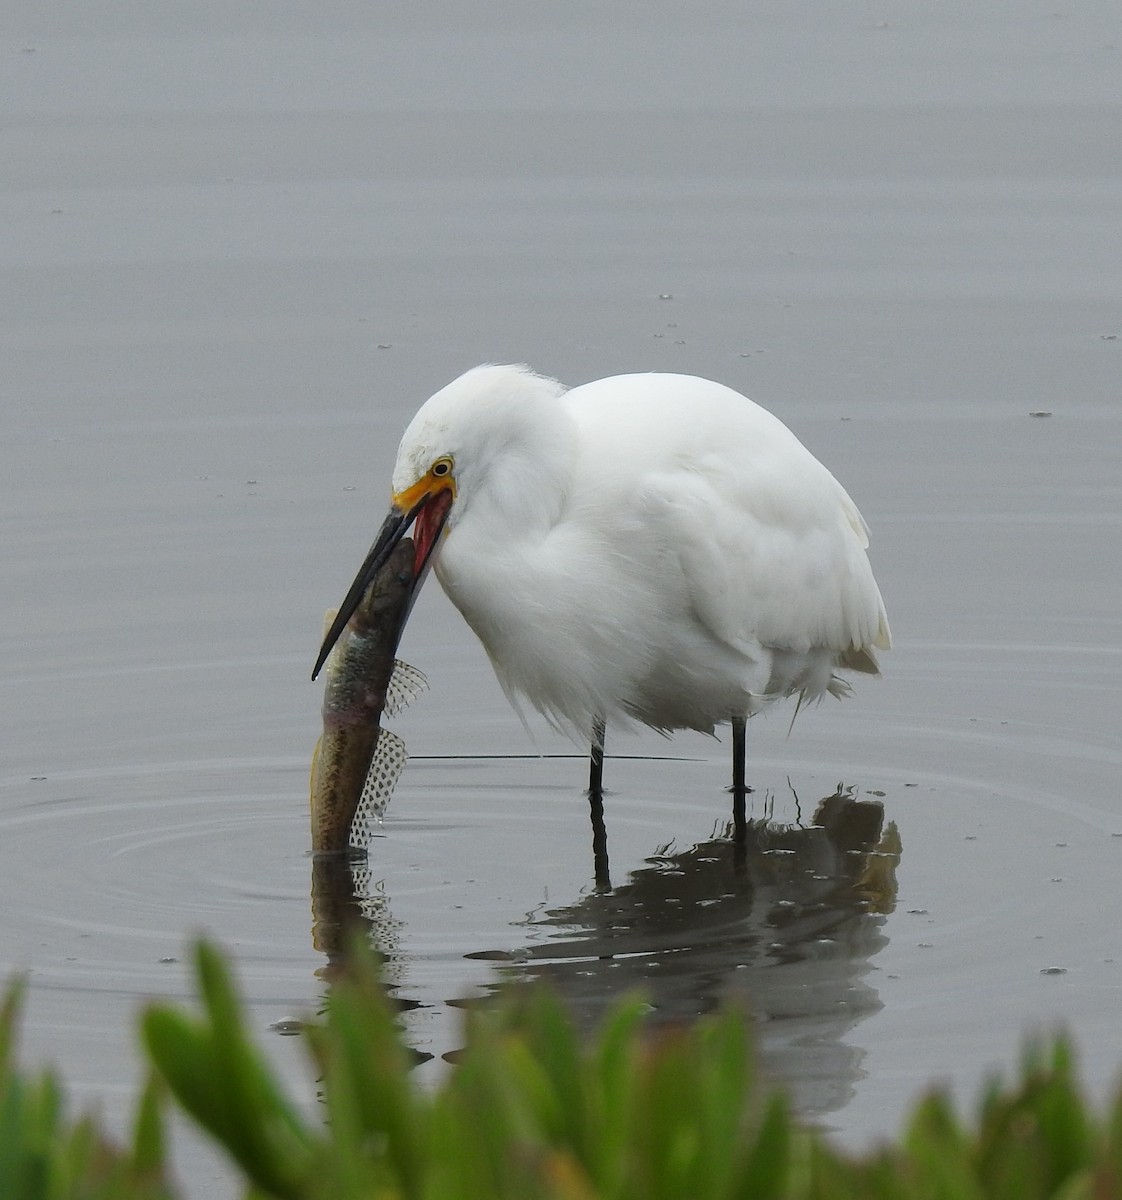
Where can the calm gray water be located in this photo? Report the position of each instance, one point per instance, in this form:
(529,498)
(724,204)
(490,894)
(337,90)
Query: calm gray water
(238,254)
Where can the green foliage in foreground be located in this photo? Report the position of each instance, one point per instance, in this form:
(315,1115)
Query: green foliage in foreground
(45,1157)
(529,1112)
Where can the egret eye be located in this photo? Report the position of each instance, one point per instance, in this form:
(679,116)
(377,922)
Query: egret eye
(442,467)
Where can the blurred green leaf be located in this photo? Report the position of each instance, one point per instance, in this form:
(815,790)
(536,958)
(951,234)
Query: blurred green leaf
(225,1084)
(767,1167)
(368,1090)
(149,1138)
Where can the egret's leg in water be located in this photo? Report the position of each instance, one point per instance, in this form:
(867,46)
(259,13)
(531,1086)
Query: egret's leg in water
(739,787)
(596,806)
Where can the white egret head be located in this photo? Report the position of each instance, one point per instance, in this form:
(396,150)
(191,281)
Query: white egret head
(492,432)
(494,435)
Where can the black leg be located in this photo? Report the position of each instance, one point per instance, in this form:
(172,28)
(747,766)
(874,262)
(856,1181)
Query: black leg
(596,807)
(739,787)
(596,759)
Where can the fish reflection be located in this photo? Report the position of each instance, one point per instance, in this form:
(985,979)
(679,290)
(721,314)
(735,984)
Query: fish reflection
(348,901)
(788,921)
(347,904)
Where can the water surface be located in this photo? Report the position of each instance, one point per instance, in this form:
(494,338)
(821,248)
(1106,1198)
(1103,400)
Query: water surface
(238,259)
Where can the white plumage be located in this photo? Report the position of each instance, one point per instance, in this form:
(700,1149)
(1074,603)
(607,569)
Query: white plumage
(651,547)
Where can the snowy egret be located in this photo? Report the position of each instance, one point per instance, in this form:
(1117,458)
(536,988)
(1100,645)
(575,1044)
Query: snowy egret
(649,548)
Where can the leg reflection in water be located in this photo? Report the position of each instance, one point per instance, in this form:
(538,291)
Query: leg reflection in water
(784,919)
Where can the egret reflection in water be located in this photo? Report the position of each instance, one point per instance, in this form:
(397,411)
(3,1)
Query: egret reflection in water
(786,920)
(787,923)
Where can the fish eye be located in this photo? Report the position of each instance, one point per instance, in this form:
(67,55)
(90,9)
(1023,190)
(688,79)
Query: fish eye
(442,467)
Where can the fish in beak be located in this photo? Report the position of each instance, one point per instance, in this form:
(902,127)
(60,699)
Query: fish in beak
(425,505)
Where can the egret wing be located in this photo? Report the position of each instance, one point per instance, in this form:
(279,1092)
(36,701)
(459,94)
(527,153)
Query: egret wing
(773,555)
(745,528)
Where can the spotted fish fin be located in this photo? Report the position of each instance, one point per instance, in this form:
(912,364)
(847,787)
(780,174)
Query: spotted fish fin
(406,684)
(385,770)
